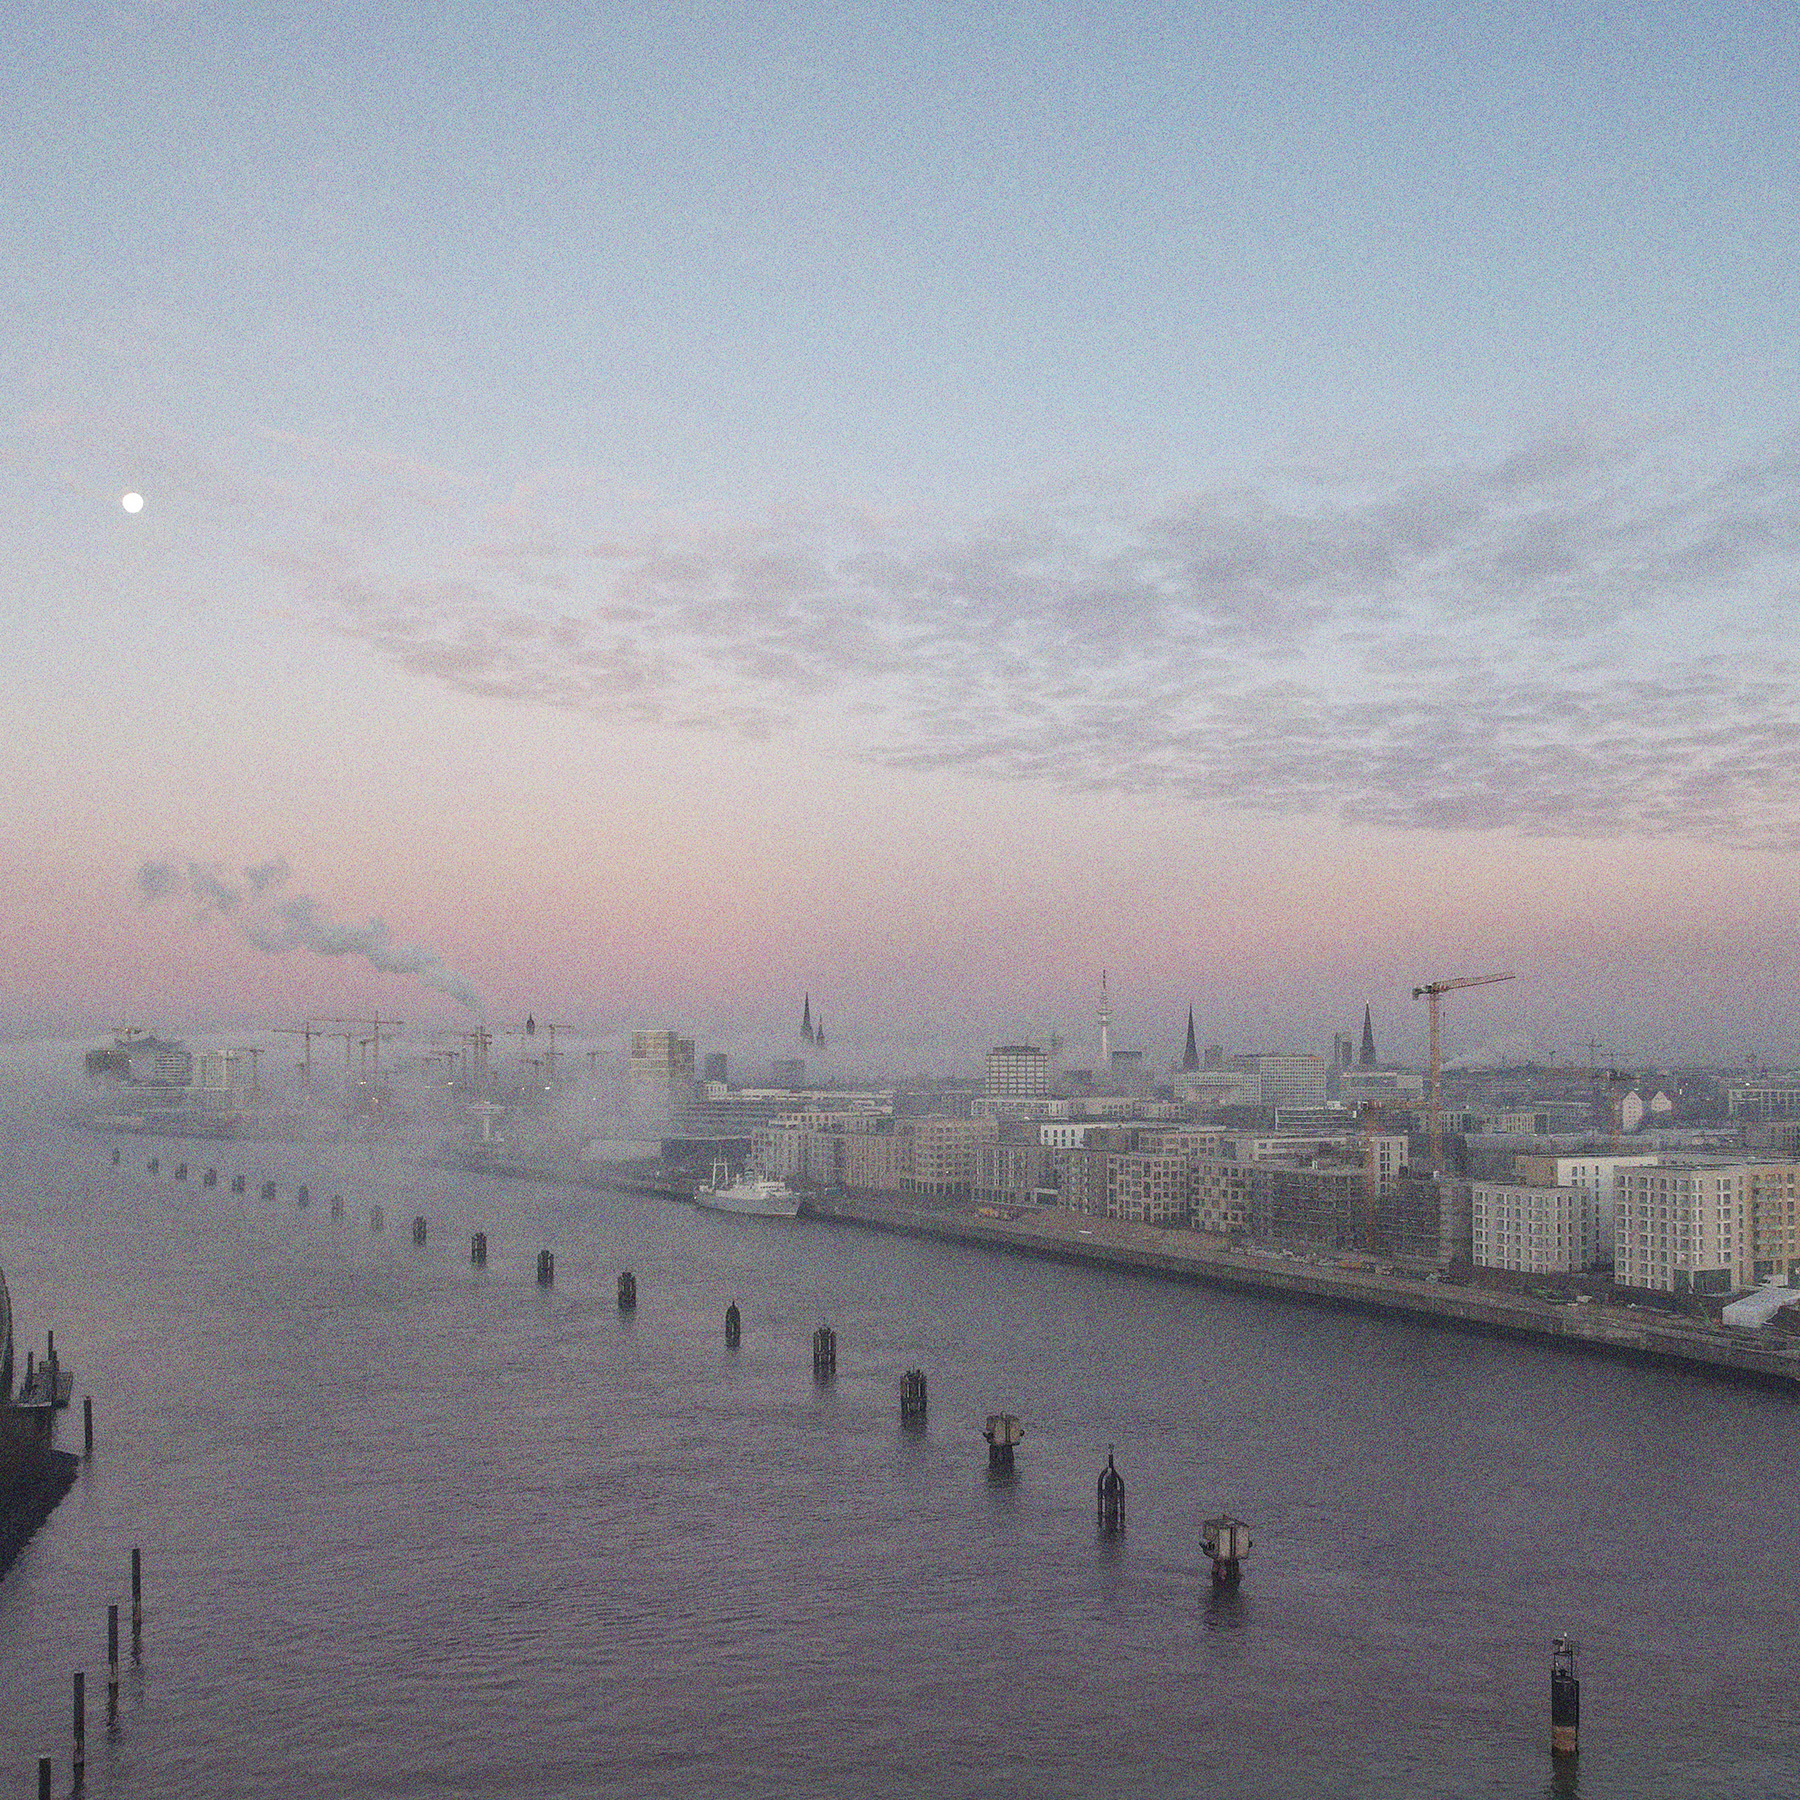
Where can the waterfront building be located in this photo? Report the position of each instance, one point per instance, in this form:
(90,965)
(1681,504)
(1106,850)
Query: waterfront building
(1015,1170)
(1148,1187)
(1532,1229)
(943,1155)
(1774,1228)
(1597,1173)
(1683,1227)
(1219,1187)
(1318,1204)
(1018,1072)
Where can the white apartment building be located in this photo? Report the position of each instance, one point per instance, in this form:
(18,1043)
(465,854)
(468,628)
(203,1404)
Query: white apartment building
(1532,1230)
(1683,1227)
(1599,1173)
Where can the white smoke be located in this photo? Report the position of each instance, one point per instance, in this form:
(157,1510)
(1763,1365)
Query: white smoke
(277,923)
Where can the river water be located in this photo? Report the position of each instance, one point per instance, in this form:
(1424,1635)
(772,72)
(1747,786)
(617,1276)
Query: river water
(411,1528)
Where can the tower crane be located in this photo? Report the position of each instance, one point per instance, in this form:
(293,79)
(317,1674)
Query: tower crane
(1433,991)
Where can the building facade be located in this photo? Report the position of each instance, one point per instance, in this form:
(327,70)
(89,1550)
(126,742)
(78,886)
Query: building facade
(1018,1072)
(1532,1229)
(1683,1227)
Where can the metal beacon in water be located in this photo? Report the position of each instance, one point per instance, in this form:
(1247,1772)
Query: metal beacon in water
(1227,1541)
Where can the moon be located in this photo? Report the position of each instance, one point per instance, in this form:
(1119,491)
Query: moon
(133,503)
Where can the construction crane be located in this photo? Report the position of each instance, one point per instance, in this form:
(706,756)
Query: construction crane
(1433,991)
(308,1031)
(530,1029)
(377,1026)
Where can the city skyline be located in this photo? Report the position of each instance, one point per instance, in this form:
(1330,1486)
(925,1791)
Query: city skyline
(912,506)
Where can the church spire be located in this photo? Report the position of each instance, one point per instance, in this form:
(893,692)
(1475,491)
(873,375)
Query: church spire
(1367,1058)
(1190,1057)
(806,1025)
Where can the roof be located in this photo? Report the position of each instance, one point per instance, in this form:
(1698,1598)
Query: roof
(1757,1309)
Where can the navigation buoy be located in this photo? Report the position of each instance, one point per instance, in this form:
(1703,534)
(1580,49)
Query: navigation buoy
(1110,1496)
(1227,1541)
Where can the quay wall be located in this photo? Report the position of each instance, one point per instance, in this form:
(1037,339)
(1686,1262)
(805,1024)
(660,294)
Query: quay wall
(1184,1256)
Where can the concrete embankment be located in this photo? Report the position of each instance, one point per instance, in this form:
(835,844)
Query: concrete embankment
(1179,1255)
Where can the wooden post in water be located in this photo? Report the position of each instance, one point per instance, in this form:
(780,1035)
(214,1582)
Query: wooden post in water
(478,1249)
(546,1269)
(87,1424)
(1565,1698)
(418,1229)
(45,1777)
(824,1353)
(303,1196)
(375,1219)
(154,1165)
(1110,1496)
(734,1326)
(112,1659)
(78,1760)
(268,1190)
(1003,1432)
(237,1184)
(210,1178)
(115,1162)
(627,1292)
(913,1397)
(137,1603)
(337,1206)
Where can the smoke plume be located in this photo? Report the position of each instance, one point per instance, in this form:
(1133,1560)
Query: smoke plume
(277,922)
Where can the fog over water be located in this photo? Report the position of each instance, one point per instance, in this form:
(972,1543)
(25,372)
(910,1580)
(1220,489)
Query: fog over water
(414,1528)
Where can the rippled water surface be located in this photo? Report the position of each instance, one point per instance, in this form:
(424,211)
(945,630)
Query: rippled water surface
(411,1528)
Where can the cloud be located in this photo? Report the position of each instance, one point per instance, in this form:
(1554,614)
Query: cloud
(1586,636)
(279,925)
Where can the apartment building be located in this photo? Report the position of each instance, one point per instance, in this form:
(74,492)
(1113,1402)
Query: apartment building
(1683,1227)
(943,1156)
(1533,1229)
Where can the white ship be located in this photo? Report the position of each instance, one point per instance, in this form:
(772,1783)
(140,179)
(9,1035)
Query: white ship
(758,1194)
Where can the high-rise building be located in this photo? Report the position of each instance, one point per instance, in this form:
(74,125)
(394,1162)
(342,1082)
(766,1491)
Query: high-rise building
(662,1068)
(1017,1072)
(1287,1080)
(715,1065)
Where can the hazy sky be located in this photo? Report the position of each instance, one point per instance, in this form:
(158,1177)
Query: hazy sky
(650,510)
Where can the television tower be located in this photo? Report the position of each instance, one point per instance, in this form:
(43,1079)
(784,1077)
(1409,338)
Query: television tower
(1105,1025)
